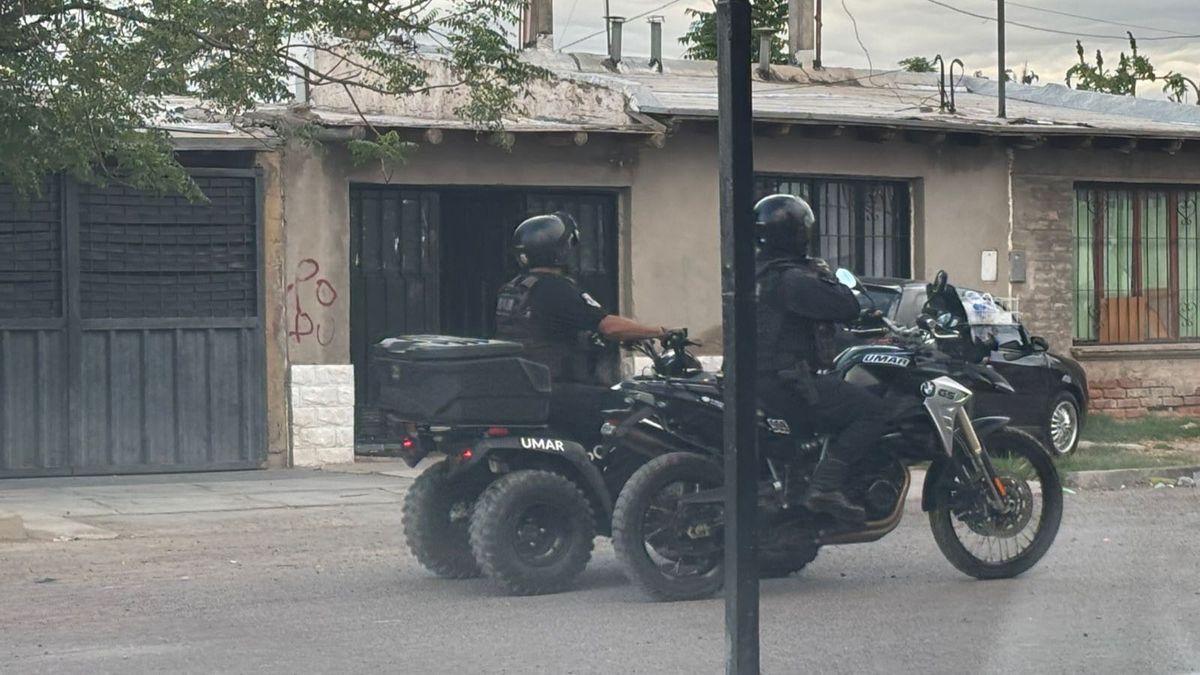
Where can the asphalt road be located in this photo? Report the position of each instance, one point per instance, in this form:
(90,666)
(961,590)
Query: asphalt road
(332,590)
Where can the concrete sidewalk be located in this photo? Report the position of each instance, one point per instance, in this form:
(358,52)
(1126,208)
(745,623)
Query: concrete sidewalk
(67,508)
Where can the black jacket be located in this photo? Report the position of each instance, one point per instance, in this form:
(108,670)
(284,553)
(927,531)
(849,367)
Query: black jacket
(798,304)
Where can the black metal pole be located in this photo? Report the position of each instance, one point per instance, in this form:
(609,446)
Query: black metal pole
(1001,112)
(736,139)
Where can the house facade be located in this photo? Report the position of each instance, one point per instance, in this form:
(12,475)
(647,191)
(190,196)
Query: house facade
(1081,209)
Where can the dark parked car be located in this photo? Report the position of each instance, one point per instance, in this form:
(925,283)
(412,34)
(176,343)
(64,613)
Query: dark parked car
(1051,398)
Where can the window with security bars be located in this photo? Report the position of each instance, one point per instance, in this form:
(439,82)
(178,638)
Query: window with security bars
(149,256)
(31,274)
(863,225)
(1137,264)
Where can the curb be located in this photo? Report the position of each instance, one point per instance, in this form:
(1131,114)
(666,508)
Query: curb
(12,527)
(1118,479)
(394,468)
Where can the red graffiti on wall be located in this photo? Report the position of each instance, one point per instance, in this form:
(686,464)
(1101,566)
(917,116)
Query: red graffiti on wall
(322,291)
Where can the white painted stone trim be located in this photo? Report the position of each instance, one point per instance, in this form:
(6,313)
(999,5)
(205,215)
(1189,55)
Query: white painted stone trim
(322,401)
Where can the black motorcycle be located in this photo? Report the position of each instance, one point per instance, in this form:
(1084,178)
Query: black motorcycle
(992,492)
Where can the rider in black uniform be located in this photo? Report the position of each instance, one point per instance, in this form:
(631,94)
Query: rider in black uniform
(800,301)
(558,322)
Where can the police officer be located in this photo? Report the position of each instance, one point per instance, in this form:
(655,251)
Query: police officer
(800,300)
(557,321)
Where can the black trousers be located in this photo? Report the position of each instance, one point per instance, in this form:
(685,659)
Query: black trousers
(854,416)
(576,411)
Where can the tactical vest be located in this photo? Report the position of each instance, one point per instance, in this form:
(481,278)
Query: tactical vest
(515,321)
(787,342)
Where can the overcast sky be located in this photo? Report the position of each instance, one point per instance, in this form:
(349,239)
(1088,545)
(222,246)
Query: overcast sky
(894,29)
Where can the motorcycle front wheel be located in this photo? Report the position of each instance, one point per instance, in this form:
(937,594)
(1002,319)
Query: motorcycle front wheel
(988,544)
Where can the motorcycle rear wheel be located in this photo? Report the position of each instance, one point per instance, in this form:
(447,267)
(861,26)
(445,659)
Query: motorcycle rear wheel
(1018,458)
(655,558)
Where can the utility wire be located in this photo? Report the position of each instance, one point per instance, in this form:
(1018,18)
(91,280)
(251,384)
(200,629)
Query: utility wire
(870,63)
(1074,34)
(632,18)
(1094,19)
(570,15)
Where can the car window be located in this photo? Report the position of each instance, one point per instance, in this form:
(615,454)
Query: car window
(885,300)
(911,305)
(1009,337)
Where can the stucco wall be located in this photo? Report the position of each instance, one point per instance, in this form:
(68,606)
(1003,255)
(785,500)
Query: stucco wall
(317,212)
(960,197)
(670,246)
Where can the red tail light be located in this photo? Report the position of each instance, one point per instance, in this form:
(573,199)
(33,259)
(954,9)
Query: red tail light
(407,444)
(466,455)
(497,432)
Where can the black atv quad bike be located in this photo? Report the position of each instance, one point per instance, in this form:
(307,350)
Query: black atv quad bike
(992,492)
(512,500)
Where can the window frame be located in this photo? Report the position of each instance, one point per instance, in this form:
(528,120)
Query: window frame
(900,258)
(1097,197)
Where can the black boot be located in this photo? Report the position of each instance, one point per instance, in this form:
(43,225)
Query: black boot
(825,495)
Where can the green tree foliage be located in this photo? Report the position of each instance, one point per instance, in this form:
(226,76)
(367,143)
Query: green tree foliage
(700,40)
(916,64)
(83,82)
(1131,69)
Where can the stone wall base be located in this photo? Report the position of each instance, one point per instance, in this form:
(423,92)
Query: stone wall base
(322,399)
(1133,387)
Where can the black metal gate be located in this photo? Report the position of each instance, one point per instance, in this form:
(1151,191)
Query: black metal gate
(430,260)
(130,332)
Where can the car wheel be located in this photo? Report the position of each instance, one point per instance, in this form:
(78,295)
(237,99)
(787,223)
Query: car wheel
(1062,424)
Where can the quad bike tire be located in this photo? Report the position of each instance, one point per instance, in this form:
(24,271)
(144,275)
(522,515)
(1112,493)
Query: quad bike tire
(436,517)
(505,537)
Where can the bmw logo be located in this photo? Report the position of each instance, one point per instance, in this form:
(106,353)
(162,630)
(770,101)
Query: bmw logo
(927,388)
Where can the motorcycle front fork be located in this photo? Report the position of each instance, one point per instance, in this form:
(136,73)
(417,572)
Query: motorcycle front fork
(981,464)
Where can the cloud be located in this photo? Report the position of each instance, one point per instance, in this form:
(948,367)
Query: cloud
(895,29)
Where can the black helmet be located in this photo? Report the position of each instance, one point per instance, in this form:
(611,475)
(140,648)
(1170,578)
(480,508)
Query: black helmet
(545,241)
(784,223)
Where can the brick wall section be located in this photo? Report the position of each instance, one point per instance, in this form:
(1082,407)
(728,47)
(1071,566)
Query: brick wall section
(1134,397)
(1132,387)
(1043,217)
(322,399)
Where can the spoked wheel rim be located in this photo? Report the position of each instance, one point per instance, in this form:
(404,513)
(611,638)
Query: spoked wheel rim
(683,544)
(998,537)
(1064,427)
(540,535)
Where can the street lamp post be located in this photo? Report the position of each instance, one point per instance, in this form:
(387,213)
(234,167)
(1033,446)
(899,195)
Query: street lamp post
(736,146)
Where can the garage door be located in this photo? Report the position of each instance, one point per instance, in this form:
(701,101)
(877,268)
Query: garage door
(130,331)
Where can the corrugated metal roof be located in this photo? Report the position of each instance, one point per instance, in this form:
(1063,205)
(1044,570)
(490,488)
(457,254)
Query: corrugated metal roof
(340,118)
(688,89)
(910,100)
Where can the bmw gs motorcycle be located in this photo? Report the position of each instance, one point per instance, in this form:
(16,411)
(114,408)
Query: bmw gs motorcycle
(992,493)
